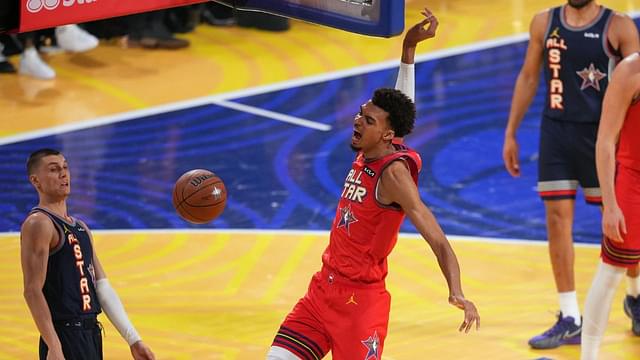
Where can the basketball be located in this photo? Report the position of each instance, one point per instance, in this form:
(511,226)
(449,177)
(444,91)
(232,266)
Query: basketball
(199,196)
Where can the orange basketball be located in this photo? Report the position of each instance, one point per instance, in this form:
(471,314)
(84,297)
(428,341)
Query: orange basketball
(199,196)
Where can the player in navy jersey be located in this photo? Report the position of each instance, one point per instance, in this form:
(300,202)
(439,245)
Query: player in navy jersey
(577,44)
(346,307)
(65,286)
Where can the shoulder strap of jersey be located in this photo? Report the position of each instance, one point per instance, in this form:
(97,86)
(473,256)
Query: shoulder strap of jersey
(613,53)
(607,14)
(410,157)
(553,22)
(56,225)
(407,156)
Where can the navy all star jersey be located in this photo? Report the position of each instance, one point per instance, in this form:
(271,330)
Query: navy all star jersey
(69,287)
(577,64)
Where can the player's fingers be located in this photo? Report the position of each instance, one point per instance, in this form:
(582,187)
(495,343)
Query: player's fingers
(471,319)
(427,14)
(462,326)
(613,231)
(616,233)
(515,161)
(509,156)
(623,226)
(512,164)
(433,24)
(610,231)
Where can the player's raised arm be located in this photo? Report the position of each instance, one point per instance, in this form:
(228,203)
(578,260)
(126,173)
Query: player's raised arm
(397,186)
(36,237)
(425,29)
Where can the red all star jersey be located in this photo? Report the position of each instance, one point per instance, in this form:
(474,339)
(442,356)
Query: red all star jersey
(364,231)
(628,153)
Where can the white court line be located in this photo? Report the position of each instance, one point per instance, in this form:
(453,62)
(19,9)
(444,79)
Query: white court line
(358,70)
(416,236)
(273,115)
(159,109)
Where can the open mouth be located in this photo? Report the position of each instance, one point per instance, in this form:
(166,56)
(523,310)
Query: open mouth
(356,136)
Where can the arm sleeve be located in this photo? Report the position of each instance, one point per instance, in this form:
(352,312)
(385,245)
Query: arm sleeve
(112,306)
(406,80)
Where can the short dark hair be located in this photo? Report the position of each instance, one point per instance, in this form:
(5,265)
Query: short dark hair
(401,109)
(36,156)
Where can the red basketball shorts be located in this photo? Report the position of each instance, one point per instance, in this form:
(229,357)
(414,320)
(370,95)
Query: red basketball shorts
(627,253)
(347,318)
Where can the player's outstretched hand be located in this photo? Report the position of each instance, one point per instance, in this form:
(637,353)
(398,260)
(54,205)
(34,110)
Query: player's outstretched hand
(613,224)
(55,355)
(141,351)
(510,156)
(418,33)
(470,312)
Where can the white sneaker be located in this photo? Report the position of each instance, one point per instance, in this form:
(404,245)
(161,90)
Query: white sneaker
(75,39)
(31,64)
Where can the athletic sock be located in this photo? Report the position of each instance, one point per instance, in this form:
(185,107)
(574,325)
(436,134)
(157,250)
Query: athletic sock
(569,306)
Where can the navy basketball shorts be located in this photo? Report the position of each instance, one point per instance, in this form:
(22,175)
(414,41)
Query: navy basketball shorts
(568,159)
(81,339)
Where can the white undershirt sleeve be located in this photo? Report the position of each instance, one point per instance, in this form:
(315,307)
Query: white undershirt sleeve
(112,306)
(406,80)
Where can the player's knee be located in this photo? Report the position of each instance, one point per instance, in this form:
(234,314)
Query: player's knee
(559,216)
(278,353)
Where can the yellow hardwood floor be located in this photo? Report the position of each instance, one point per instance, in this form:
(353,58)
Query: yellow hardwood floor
(222,295)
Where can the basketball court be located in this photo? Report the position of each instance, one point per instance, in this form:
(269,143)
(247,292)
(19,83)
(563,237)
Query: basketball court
(272,115)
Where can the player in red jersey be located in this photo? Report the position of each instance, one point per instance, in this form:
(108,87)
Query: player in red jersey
(619,176)
(346,307)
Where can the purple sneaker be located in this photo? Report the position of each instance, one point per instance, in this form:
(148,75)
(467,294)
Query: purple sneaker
(632,309)
(564,332)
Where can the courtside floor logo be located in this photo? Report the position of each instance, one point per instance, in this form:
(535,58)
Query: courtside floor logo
(35,6)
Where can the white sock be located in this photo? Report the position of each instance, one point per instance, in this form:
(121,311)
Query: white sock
(569,305)
(597,307)
(279,353)
(633,286)
(2,58)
